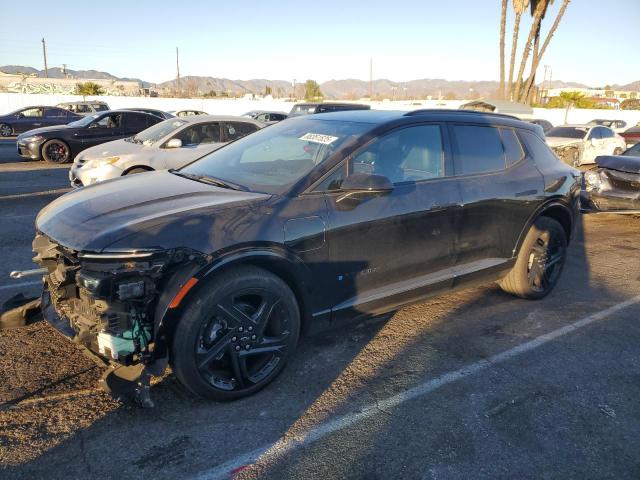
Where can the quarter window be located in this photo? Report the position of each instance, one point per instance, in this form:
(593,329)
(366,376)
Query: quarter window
(235,130)
(512,148)
(32,112)
(478,149)
(200,134)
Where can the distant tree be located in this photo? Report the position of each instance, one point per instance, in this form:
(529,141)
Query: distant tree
(88,88)
(312,91)
(267,91)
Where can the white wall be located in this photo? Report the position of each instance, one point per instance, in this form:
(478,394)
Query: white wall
(13,101)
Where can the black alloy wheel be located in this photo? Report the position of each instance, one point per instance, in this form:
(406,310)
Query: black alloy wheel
(539,262)
(56,151)
(237,335)
(5,130)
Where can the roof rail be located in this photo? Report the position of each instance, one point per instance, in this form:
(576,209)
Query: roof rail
(423,111)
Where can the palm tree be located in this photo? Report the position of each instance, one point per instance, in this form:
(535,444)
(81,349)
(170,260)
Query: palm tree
(538,9)
(503,22)
(519,6)
(537,58)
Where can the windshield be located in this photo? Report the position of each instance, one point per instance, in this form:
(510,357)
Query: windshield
(274,158)
(567,132)
(84,122)
(159,130)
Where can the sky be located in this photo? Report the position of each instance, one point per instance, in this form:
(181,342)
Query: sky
(596,42)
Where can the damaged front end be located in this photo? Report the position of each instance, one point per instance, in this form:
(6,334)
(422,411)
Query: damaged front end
(570,153)
(612,186)
(113,305)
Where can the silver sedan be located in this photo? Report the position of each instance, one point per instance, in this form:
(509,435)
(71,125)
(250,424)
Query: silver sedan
(169,144)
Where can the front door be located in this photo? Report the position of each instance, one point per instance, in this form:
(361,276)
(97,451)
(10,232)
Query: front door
(197,140)
(389,249)
(107,128)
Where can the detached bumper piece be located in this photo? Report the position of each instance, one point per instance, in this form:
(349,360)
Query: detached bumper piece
(613,186)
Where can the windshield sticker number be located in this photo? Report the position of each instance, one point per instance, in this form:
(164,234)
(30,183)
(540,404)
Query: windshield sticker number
(318,138)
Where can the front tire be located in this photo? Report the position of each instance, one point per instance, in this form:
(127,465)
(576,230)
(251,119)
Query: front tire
(236,334)
(56,151)
(5,130)
(540,261)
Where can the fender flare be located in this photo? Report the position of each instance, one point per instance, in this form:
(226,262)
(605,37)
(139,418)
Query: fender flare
(556,202)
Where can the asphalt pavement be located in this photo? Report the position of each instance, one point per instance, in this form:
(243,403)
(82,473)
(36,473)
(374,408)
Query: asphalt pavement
(474,384)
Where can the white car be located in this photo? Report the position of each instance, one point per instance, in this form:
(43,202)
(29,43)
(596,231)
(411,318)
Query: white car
(581,144)
(617,126)
(169,144)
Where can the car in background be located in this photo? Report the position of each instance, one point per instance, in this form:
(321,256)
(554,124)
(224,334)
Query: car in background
(60,144)
(545,124)
(29,118)
(580,144)
(324,107)
(617,126)
(153,111)
(84,108)
(632,135)
(172,143)
(265,116)
(613,185)
(186,113)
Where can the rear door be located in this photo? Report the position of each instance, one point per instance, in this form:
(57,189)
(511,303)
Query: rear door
(391,249)
(55,116)
(500,187)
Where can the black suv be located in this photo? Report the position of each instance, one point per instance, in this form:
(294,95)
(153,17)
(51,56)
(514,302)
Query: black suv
(219,266)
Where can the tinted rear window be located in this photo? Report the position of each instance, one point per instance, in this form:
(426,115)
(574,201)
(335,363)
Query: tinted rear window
(538,150)
(512,148)
(567,132)
(478,149)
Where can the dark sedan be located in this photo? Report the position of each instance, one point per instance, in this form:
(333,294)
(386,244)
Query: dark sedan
(60,144)
(153,111)
(219,266)
(29,118)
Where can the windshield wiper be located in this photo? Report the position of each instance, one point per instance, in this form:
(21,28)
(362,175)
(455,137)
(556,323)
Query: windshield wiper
(209,180)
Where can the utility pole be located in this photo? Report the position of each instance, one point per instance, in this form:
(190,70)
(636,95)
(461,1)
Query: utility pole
(177,70)
(44,53)
(371,79)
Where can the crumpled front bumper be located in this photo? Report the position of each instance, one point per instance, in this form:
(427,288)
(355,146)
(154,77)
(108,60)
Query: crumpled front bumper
(619,192)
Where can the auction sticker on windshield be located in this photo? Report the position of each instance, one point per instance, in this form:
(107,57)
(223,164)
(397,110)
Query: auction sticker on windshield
(318,138)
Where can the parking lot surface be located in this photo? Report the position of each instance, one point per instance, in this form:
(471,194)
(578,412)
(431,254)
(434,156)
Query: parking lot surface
(475,384)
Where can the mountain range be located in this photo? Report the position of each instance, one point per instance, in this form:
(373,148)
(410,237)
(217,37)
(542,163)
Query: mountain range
(332,89)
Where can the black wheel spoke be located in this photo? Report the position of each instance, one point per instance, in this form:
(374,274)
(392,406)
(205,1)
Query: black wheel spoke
(239,367)
(553,260)
(263,313)
(233,314)
(269,345)
(214,351)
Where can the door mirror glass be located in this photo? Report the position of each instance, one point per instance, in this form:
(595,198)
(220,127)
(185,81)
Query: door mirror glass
(174,143)
(366,182)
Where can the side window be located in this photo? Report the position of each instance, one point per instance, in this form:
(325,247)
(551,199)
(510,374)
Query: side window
(99,107)
(262,117)
(333,181)
(512,148)
(405,155)
(110,121)
(32,113)
(538,150)
(135,121)
(83,108)
(200,134)
(606,133)
(478,149)
(235,130)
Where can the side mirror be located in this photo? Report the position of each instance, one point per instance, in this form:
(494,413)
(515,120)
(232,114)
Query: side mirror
(366,183)
(174,143)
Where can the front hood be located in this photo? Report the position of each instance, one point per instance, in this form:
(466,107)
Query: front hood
(154,210)
(114,148)
(44,130)
(562,141)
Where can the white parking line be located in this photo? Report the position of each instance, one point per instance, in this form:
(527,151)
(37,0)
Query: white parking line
(35,194)
(283,447)
(21,284)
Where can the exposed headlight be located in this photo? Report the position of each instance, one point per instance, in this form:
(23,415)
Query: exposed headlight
(592,181)
(33,138)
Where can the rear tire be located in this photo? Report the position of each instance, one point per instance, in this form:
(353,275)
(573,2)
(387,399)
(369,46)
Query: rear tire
(540,261)
(5,130)
(56,151)
(236,334)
